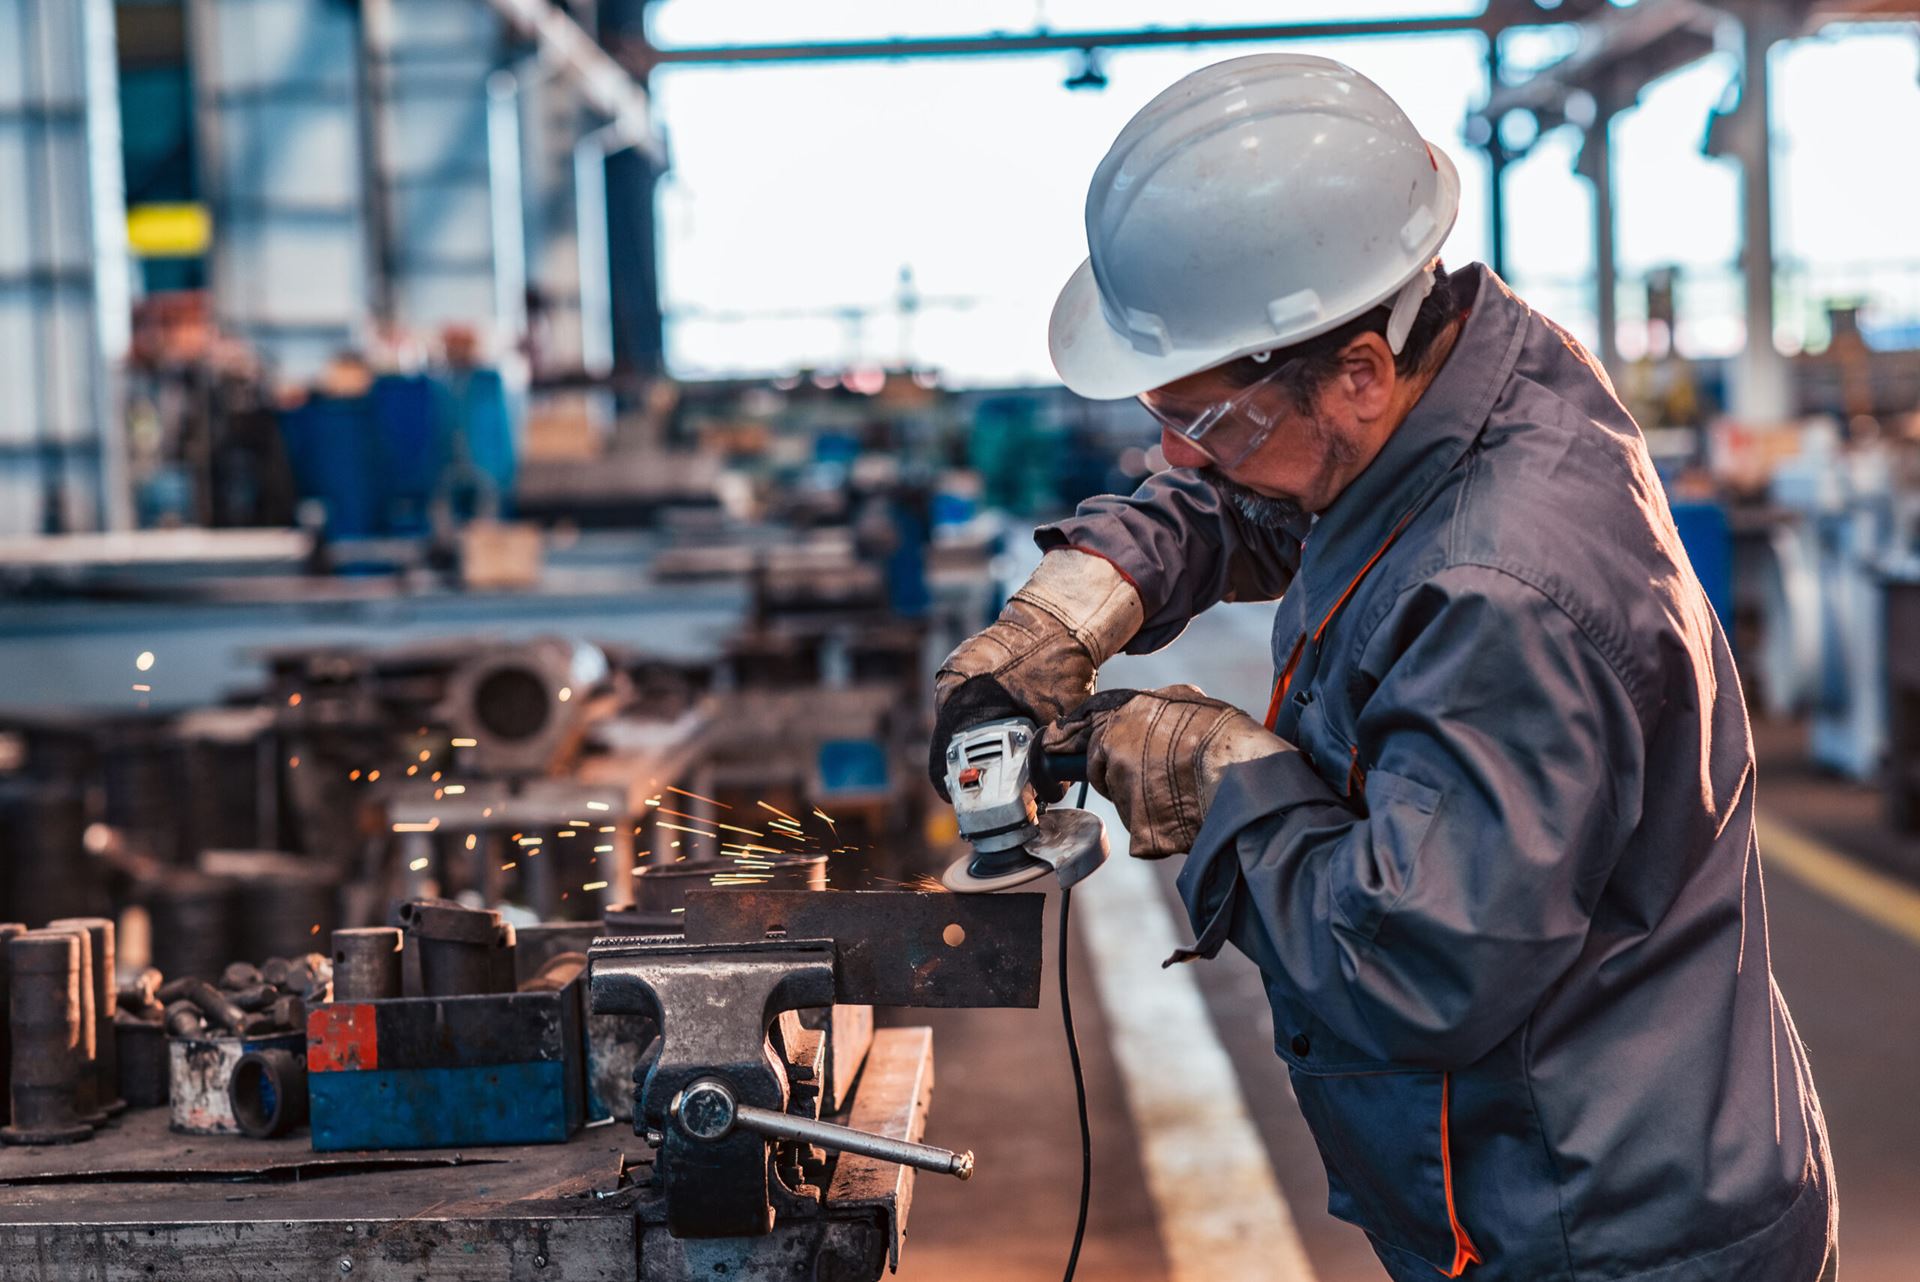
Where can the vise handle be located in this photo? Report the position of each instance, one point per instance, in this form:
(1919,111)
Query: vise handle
(707,1111)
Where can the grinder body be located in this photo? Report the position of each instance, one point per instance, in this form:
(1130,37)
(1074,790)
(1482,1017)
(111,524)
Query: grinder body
(994,774)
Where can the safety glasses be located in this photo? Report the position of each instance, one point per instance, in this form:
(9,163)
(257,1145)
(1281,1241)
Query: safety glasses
(1226,412)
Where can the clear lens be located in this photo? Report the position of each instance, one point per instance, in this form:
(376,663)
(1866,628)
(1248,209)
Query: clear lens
(1225,422)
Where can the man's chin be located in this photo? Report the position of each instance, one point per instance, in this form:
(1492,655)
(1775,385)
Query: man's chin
(1265,510)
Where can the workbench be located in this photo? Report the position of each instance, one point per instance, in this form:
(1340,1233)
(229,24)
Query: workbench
(139,1202)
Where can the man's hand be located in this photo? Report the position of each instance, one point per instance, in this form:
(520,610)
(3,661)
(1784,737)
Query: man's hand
(1159,755)
(1041,654)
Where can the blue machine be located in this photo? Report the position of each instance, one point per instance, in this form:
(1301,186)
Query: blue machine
(378,463)
(477,451)
(402,414)
(1707,537)
(850,768)
(330,446)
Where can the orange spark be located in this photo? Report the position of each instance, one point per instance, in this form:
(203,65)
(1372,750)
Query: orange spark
(697,797)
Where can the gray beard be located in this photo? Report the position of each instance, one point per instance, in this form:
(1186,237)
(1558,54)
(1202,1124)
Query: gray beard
(1255,508)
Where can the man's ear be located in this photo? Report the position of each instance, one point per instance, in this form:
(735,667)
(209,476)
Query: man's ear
(1367,375)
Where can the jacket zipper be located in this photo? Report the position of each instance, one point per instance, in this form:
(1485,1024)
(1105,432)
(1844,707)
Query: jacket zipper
(1284,681)
(1464,1251)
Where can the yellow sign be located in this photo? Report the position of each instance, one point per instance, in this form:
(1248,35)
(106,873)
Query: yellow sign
(169,231)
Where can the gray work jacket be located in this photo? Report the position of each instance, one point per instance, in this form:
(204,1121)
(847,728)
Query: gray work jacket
(1506,896)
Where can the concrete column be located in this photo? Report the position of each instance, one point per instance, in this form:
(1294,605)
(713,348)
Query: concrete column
(277,87)
(64,276)
(566,250)
(1596,163)
(633,259)
(1762,388)
(445,166)
(593,275)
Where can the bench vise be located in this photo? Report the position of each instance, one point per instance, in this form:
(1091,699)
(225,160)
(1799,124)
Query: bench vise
(763,1017)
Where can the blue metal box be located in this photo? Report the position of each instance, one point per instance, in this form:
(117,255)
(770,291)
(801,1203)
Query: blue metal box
(446,1072)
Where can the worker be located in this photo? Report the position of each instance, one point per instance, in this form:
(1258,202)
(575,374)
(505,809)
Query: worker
(1493,846)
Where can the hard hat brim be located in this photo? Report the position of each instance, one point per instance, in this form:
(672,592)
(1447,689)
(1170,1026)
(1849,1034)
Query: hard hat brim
(1098,362)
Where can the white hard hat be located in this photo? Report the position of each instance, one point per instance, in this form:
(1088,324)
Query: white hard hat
(1255,203)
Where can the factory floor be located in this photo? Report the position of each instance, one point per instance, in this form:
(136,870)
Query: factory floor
(1183,1083)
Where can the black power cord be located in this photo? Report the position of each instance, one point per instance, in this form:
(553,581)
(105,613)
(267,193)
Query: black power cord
(1079,1081)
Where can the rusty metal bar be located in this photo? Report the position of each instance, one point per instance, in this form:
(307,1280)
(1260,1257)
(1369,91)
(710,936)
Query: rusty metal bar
(893,947)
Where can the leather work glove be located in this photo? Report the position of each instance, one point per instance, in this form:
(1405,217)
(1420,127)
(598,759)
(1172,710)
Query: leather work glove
(1038,659)
(1159,756)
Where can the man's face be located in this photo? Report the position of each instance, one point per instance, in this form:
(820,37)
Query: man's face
(1308,456)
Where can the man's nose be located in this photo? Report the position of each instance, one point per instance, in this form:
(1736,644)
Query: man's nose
(1180,451)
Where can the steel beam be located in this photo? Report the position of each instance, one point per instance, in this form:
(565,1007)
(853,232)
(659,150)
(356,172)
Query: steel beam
(602,82)
(648,56)
(1497,159)
(1626,47)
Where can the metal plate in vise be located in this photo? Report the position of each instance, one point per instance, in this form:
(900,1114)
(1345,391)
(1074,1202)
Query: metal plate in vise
(893,947)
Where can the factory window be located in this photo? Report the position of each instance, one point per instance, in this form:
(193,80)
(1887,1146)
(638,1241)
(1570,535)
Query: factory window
(1846,112)
(925,213)
(1842,223)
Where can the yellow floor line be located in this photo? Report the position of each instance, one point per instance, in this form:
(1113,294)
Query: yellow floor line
(1841,878)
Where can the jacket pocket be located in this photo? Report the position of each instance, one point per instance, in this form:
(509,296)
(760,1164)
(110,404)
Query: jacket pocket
(1384,1138)
(1331,752)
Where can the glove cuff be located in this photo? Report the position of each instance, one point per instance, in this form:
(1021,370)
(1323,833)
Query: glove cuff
(1238,738)
(1089,597)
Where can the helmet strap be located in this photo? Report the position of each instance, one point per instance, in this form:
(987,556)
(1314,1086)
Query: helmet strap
(1406,307)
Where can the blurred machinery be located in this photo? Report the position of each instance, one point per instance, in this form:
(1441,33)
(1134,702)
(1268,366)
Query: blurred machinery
(539,773)
(461,819)
(525,707)
(1843,519)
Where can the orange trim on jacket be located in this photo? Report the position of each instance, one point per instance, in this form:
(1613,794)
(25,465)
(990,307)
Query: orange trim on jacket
(1464,1251)
(1285,680)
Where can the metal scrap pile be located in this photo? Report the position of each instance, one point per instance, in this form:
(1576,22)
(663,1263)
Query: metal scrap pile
(249,1000)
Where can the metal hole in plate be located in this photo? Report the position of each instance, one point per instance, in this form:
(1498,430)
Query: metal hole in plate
(954,935)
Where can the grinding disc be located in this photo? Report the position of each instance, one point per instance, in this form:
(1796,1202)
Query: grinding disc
(959,879)
(1068,843)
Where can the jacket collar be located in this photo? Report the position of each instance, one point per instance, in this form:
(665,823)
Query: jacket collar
(1443,424)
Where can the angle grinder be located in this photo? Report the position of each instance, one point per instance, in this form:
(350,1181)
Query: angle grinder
(995,773)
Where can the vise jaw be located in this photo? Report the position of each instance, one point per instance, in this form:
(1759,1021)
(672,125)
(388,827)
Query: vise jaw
(713,1004)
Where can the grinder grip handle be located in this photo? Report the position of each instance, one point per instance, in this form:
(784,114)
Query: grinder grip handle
(1052,773)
